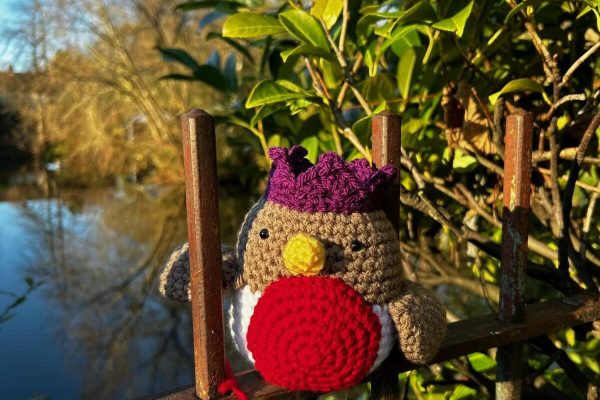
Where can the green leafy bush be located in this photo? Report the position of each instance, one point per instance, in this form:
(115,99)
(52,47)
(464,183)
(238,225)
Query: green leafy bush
(315,73)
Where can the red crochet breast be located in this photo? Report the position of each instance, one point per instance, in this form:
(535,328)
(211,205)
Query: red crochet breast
(313,333)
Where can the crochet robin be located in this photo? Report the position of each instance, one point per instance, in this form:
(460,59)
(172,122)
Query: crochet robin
(319,298)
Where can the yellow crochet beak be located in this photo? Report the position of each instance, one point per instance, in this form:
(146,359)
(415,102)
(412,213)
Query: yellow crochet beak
(304,255)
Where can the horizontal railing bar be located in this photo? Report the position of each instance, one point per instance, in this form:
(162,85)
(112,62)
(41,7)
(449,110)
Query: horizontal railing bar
(464,337)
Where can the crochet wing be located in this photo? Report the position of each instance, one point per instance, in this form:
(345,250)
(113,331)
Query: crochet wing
(175,276)
(420,320)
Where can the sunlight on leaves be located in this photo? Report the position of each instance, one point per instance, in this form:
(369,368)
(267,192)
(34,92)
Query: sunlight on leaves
(457,22)
(248,25)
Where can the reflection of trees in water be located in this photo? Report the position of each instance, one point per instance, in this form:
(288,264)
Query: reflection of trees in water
(100,254)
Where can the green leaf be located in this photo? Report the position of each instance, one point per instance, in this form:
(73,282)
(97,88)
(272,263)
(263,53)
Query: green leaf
(332,73)
(243,50)
(264,111)
(370,59)
(200,4)
(411,39)
(462,392)
(277,140)
(311,144)
(570,337)
(421,12)
(292,87)
(305,50)
(266,92)
(180,56)
(481,362)
(327,10)
(378,88)
(247,25)
(518,85)
(589,8)
(457,22)
(371,9)
(304,27)
(463,162)
(363,124)
(397,35)
(404,74)
(364,28)
(385,29)
(295,106)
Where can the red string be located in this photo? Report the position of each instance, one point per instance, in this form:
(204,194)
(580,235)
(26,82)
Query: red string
(230,384)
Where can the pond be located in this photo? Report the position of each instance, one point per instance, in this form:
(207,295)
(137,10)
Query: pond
(91,323)
(96,326)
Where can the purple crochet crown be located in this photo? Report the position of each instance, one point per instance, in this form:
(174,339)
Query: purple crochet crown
(331,185)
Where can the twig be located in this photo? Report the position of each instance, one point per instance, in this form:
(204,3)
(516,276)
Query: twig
(336,139)
(564,239)
(345,130)
(471,285)
(490,165)
(475,204)
(351,136)
(346,85)
(263,140)
(536,372)
(554,186)
(565,154)
(318,82)
(483,108)
(583,185)
(338,53)
(408,164)
(578,63)
(544,272)
(345,19)
(363,103)
(497,128)
(560,102)
(548,62)
(533,243)
(588,222)
(579,378)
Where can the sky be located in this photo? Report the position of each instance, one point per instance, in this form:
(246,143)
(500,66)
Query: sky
(6,14)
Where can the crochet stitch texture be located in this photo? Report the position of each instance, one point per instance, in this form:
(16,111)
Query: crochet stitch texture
(313,333)
(318,294)
(331,185)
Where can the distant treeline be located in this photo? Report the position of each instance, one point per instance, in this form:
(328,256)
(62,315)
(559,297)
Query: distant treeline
(93,98)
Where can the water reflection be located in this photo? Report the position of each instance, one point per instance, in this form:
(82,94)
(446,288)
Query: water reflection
(106,333)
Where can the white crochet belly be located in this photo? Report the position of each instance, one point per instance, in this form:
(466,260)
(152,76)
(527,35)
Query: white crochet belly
(242,308)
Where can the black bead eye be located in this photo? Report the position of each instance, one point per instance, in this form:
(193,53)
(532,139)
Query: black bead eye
(264,233)
(356,245)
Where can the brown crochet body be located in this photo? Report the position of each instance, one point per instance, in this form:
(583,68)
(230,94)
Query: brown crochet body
(373,271)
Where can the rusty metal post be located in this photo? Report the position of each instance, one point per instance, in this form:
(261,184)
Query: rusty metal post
(517,177)
(202,204)
(386,128)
